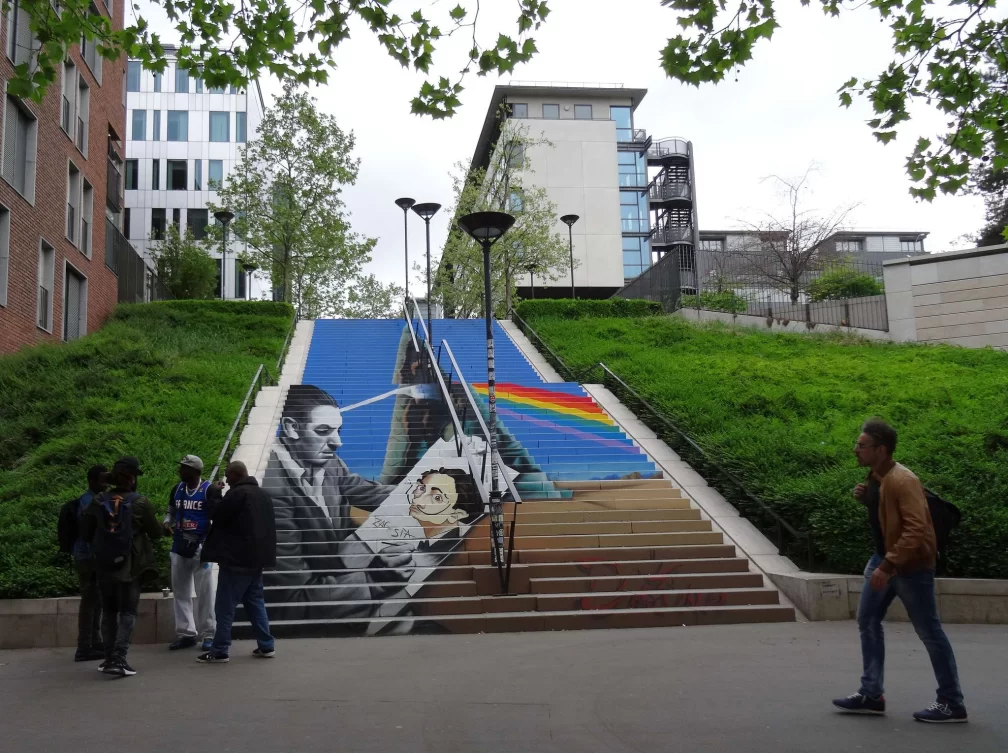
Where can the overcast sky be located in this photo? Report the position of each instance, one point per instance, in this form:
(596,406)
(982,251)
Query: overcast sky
(779,117)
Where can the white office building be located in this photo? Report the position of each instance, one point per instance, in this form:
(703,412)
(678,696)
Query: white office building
(182,139)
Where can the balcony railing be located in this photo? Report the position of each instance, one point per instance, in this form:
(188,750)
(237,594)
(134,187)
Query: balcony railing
(113,187)
(668,148)
(669,190)
(667,235)
(137,282)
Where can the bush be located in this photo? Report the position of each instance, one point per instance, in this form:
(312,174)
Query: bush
(566,308)
(844,282)
(727,300)
(159,381)
(782,411)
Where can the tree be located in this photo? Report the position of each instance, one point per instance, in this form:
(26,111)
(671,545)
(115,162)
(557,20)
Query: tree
(368,298)
(184,264)
(993,186)
(286,193)
(786,249)
(532,242)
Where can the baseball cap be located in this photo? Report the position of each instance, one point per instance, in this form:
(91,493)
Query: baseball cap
(127,464)
(192,461)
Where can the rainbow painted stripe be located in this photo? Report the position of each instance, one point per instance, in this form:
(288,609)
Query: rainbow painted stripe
(560,404)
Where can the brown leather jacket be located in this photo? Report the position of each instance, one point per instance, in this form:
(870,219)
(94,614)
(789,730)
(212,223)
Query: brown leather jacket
(906,523)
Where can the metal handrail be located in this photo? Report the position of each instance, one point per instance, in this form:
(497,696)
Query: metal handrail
(781,525)
(286,345)
(512,489)
(238,418)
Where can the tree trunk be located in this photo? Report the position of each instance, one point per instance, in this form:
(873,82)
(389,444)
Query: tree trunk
(794,292)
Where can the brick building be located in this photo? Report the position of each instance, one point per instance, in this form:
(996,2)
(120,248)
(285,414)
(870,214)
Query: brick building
(60,191)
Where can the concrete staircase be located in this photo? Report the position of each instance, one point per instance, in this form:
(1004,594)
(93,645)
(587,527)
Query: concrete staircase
(601,539)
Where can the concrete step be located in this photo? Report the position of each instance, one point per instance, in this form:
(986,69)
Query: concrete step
(675,581)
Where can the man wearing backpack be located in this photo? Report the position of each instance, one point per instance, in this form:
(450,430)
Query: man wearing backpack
(89,642)
(903,565)
(189,517)
(120,525)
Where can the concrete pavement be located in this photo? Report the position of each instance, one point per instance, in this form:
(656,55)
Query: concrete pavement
(745,688)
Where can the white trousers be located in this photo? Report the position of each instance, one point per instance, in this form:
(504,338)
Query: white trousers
(187,573)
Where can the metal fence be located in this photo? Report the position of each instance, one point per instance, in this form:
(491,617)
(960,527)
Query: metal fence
(137,281)
(660,282)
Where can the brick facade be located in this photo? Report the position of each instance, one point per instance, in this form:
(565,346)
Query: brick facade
(47,217)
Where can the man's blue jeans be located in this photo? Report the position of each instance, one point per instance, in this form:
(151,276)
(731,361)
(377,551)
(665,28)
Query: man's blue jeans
(916,591)
(234,588)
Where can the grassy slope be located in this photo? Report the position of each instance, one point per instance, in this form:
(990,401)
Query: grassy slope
(784,411)
(158,381)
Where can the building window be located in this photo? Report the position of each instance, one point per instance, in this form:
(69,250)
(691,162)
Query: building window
(139,130)
(582,112)
(177,175)
(83,116)
(126,222)
(89,51)
(87,223)
(240,126)
(133,76)
(623,118)
(850,246)
(181,80)
(219,126)
(132,174)
(240,279)
(20,148)
(156,174)
(912,245)
(217,90)
(712,245)
(157,223)
(197,221)
(515,202)
(551,112)
(46,264)
(216,174)
(68,109)
(74,304)
(156,125)
(198,175)
(519,110)
(4,253)
(178,125)
(73,202)
(157,81)
(22,46)
(199,85)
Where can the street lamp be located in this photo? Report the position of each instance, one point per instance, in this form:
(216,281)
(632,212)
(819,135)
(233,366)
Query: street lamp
(249,268)
(486,228)
(223,216)
(531,269)
(426,211)
(404,204)
(569,220)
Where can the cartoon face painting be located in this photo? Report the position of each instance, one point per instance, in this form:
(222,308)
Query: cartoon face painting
(433,500)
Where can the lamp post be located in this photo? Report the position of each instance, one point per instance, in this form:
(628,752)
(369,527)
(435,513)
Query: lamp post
(486,228)
(569,220)
(249,268)
(404,204)
(531,269)
(426,211)
(223,216)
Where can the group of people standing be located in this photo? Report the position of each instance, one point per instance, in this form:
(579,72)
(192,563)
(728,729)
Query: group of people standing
(113,553)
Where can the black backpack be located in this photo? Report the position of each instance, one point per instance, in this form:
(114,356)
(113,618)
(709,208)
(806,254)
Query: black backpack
(68,525)
(113,541)
(944,517)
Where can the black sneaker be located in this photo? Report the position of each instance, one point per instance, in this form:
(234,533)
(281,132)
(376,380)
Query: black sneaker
(942,712)
(187,641)
(857,703)
(105,663)
(209,658)
(115,666)
(260,654)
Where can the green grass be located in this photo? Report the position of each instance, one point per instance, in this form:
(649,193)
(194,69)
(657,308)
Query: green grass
(159,381)
(782,411)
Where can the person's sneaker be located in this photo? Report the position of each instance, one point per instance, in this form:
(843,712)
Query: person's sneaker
(117,666)
(187,641)
(126,669)
(209,658)
(856,703)
(89,655)
(207,644)
(101,667)
(260,654)
(942,712)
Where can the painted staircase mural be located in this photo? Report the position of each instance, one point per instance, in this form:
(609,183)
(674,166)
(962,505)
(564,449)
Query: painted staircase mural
(381,509)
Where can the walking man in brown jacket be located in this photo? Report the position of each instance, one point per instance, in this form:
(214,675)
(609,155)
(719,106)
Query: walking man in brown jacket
(906,568)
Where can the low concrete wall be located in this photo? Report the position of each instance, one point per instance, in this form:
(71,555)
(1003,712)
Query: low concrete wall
(47,623)
(835,597)
(760,322)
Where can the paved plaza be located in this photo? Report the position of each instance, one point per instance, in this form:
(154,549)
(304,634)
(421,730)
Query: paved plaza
(745,688)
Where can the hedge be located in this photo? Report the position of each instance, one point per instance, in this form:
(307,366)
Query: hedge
(844,282)
(159,381)
(728,301)
(782,411)
(566,308)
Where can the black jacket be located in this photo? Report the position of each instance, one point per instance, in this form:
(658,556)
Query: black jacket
(242,527)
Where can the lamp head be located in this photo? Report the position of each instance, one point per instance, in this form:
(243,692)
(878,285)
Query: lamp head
(224,216)
(249,266)
(404,203)
(486,227)
(426,211)
(569,219)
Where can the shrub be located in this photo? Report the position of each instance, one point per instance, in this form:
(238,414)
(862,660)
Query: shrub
(566,308)
(727,300)
(159,381)
(844,282)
